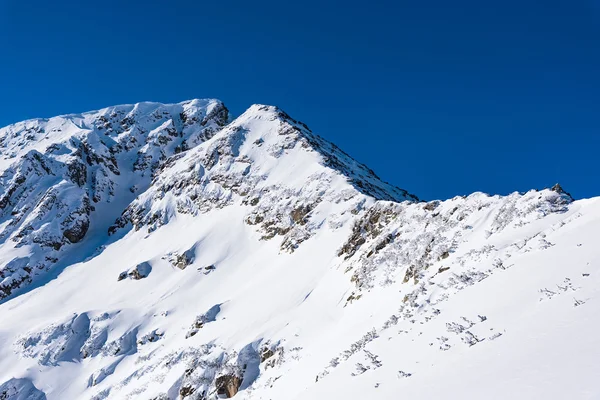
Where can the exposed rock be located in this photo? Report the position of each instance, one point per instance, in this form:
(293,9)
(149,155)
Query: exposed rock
(77,231)
(151,337)
(265,354)
(432,205)
(558,189)
(186,391)
(368,227)
(181,261)
(299,214)
(161,396)
(228,385)
(7,286)
(381,245)
(138,272)
(77,172)
(201,320)
(209,268)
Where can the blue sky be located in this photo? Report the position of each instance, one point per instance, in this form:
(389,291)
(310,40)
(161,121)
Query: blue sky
(440,98)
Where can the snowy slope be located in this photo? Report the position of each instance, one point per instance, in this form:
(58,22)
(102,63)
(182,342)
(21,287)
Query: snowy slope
(63,176)
(253,259)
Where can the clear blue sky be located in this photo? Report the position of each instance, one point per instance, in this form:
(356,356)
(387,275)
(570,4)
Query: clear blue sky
(441,98)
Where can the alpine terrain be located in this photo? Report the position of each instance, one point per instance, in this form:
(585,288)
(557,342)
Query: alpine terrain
(171,251)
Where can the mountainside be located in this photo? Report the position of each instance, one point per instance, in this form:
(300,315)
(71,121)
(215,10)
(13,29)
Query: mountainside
(156,251)
(56,175)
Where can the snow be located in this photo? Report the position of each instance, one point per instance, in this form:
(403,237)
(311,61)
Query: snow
(266,254)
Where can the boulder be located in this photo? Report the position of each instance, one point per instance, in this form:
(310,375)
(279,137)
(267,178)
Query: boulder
(228,385)
(140,271)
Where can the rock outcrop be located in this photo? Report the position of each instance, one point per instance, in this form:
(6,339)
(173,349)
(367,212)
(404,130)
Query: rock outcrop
(228,385)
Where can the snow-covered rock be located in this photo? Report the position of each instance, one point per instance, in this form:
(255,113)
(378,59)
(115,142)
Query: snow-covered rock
(169,251)
(20,389)
(59,176)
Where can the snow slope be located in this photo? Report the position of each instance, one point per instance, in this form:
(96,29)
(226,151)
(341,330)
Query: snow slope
(63,176)
(254,259)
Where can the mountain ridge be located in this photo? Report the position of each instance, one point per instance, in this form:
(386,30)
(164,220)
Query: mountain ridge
(247,257)
(96,139)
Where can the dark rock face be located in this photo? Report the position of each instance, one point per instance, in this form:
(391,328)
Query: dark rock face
(299,214)
(77,172)
(558,189)
(228,385)
(368,227)
(6,289)
(208,269)
(186,391)
(266,354)
(77,231)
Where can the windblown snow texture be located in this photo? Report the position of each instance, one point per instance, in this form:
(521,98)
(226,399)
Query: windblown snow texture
(157,251)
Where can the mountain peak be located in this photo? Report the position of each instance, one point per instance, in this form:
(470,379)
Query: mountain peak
(559,189)
(127,155)
(179,253)
(266,159)
(358,174)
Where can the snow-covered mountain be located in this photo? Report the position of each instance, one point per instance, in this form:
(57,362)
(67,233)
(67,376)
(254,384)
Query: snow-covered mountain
(157,251)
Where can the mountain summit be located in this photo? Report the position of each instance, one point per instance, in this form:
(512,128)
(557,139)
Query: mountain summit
(169,251)
(63,176)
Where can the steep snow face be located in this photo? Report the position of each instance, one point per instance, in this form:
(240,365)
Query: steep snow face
(258,261)
(55,173)
(20,389)
(293,180)
(64,176)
